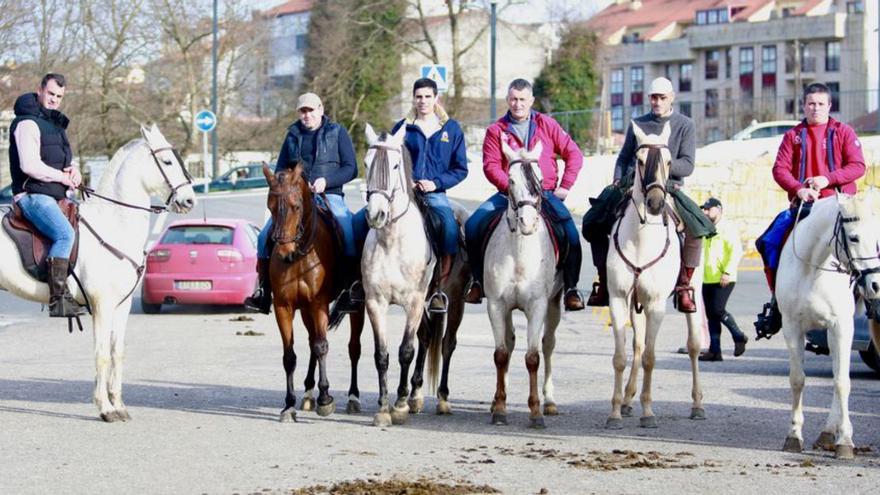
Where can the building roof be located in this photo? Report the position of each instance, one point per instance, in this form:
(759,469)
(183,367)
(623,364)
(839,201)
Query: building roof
(653,16)
(290,7)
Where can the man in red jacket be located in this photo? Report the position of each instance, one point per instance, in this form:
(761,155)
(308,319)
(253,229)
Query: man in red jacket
(817,158)
(523,127)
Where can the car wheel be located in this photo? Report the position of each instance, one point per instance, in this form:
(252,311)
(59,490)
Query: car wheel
(150,309)
(871,357)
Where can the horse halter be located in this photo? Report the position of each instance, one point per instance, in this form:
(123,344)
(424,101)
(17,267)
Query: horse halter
(383,178)
(842,242)
(303,244)
(179,160)
(532,184)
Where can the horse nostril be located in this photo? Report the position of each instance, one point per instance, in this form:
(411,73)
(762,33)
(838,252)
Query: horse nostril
(875,287)
(188,202)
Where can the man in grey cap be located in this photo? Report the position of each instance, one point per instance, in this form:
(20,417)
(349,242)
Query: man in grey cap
(324,150)
(682,147)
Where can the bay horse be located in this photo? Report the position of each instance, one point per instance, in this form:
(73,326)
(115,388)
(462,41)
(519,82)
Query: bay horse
(397,268)
(642,270)
(114,226)
(836,247)
(301,270)
(521,274)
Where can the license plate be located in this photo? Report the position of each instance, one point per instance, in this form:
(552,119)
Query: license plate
(192,284)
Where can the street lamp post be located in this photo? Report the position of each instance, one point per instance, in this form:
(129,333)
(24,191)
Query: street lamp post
(493,18)
(215,172)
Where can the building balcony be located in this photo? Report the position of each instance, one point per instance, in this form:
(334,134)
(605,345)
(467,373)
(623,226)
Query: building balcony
(650,52)
(831,26)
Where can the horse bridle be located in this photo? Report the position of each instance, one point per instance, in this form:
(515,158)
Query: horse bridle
(532,185)
(646,188)
(303,244)
(381,192)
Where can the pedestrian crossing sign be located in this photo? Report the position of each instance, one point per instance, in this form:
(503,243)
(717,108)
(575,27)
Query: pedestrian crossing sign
(438,74)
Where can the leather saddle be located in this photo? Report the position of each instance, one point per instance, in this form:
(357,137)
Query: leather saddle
(33,246)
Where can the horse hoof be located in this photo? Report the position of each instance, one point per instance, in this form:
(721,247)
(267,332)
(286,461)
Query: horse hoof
(825,441)
(443,408)
(614,424)
(550,409)
(648,421)
(382,419)
(353,407)
(399,415)
(327,409)
(698,413)
(626,411)
(499,419)
(416,405)
(308,404)
(110,417)
(123,415)
(288,416)
(537,423)
(793,444)
(844,452)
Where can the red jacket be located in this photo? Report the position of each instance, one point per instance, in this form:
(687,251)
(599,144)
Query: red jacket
(847,166)
(554,140)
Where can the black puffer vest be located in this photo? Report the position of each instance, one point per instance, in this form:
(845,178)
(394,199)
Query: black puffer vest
(54,146)
(326,153)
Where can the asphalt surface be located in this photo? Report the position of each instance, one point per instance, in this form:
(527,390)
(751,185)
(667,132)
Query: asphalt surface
(205,402)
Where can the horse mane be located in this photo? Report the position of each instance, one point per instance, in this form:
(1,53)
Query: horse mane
(532,182)
(121,156)
(652,163)
(380,169)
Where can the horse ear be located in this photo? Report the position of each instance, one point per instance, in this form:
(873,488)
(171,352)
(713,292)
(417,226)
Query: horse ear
(154,129)
(145,132)
(398,136)
(506,149)
(270,176)
(667,131)
(539,147)
(371,134)
(639,133)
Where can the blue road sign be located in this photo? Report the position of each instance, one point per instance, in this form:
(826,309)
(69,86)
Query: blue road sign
(438,74)
(206,121)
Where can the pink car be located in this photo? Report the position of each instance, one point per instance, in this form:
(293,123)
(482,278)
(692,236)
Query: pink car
(210,261)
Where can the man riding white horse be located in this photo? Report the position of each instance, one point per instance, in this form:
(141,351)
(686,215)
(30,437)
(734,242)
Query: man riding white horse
(40,165)
(815,159)
(522,127)
(682,146)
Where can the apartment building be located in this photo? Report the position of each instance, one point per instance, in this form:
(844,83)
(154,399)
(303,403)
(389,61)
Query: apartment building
(732,61)
(287,44)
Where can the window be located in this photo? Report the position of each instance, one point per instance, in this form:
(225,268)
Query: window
(712,17)
(713,59)
(835,95)
(637,83)
(701,17)
(616,89)
(808,63)
(711,103)
(768,66)
(302,41)
(685,108)
(746,71)
(617,119)
(728,62)
(855,7)
(198,234)
(684,79)
(832,56)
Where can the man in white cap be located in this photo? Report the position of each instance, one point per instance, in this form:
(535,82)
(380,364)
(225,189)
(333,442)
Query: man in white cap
(682,147)
(324,150)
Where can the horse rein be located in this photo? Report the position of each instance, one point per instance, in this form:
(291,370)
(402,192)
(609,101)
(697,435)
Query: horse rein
(397,187)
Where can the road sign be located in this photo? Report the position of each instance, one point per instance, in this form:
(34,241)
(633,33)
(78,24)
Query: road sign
(438,74)
(206,121)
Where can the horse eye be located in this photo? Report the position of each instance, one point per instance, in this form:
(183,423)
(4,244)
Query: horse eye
(854,239)
(167,162)
(396,167)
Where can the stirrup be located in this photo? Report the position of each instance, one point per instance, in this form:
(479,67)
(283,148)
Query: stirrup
(259,301)
(444,300)
(356,293)
(769,322)
(345,304)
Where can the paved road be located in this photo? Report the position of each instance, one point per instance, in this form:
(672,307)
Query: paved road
(205,402)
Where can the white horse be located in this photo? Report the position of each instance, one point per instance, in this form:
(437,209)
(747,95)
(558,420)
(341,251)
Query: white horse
(521,274)
(397,267)
(838,244)
(642,270)
(111,252)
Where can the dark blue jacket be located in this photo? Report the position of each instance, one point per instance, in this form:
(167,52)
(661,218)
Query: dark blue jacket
(442,158)
(54,146)
(333,160)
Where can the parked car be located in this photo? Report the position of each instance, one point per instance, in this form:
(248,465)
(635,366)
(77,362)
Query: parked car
(765,129)
(6,195)
(211,261)
(242,177)
(817,341)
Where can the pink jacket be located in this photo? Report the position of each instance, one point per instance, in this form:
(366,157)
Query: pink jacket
(791,167)
(554,140)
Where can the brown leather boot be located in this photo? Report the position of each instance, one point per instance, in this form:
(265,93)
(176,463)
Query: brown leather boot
(599,296)
(475,293)
(684,293)
(61,302)
(572,300)
(261,299)
(439,301)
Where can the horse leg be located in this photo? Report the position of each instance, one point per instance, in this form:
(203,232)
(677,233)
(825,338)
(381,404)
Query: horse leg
(653,320)
(284,319)
(320,321)
(794,340)
(308,401)
(502,329)
(117,356)
(695,323)
(554,314)
(356,321)
(639,322)
(840,343)
(377,312)
(537,315)
(618,311)
(416,400)
(102,322)
(405,355)
(450,340)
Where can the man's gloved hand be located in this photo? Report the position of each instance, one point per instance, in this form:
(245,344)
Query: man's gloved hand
(808,194)
(561,193)
(319,185)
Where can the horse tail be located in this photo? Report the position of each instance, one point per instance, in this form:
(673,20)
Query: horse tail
(435,324)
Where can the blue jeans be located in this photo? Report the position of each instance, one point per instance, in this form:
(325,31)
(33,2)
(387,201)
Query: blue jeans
(439,204)
(343,217)
(43,212)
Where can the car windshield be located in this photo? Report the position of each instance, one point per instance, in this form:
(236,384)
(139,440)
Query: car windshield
(198,234)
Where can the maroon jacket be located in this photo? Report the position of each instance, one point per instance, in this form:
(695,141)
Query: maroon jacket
(844,166)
